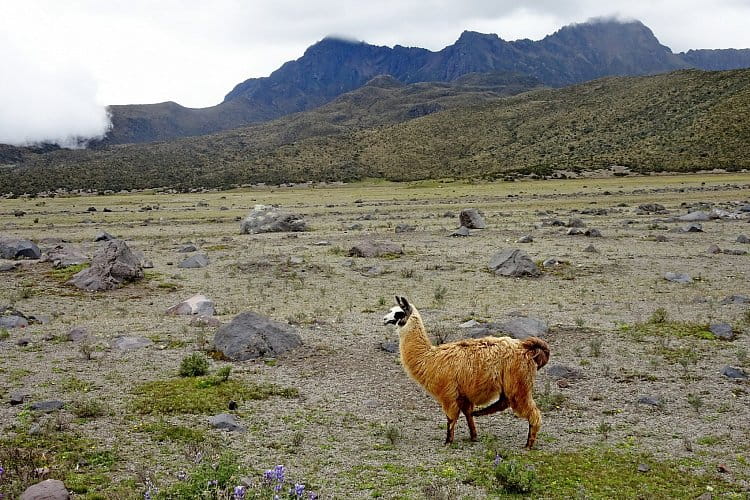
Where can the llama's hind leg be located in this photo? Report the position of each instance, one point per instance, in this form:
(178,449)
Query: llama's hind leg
(501,404)
(526,408)
(467,407)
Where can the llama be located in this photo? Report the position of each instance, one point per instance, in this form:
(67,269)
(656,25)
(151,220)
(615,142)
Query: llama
(466,374)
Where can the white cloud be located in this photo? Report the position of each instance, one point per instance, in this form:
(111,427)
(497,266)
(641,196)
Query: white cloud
(47,103)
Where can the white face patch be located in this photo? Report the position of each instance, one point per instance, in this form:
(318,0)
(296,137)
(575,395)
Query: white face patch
(395,314)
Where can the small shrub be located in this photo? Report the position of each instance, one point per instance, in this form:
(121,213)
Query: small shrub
(88,408)
(223,373)
(392,434)
(4,334)
(514,477)
(695,401)
(194,365)
(595,346)
(604,429)
(659,316)
(440,295)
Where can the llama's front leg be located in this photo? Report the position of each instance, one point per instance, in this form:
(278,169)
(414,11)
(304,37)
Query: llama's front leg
(451,413)
(534,417)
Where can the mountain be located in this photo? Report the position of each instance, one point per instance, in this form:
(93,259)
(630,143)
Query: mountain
(680,121)
(331,67)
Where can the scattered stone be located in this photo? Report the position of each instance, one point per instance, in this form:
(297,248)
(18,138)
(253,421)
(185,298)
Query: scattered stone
(651,400)
(722,330)
(593,233)
(650,208)
(187,249)
(574,231)
(372,271)
(9,266)
(591,249)
(369,248)
(196,261)
(18,213)
(734,251)
(697,216)
(733,372)
(126,343)
(678,277)
(17,398)
(693,227)
(552,262)
(16,249)
(661,238)
(322,243)
(23,341)
(251,336)
(644,468)
(64,255)
(232,405)
(735,299)
(388,346)
(525,239)
(575,222)
(742,239)
(103,236)
(113,265)
(722,468)
(77,334)
(553,222)
(471,219)
(296,260)
(405,228)
(513,262)
(197,304)
(49,489)
(462,231)
(472,323)
(47,406)
(208,321)
(562,371)
(353,227)
(713,249)
(265,219)
(225,421)
(524,327)
(10,318)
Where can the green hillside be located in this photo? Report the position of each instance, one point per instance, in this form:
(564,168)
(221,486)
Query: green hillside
(680,121)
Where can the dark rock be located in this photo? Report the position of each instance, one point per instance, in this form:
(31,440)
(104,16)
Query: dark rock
(513,262)
(369,248)
(23,341)
(225,421)
(562,371)
(65,255)
(113,265)
(126,343)
(575,222)
(574,231)
(18,213)
(9,266)
(104,236)
(651,400)
(264,219)
(91,209)
(49,489)
(735,299)
(405,228)
(47,406)
(524,327)
(196,261)
(697,216)
(353,227)
(232,405)
(591,249)
(678,277)
(251,336)
(593,233)
(693,227)
(197,304)
(17,398)
(461,232)
(651,208)
(734,251)
(16,248)
(733,372)
(77,334)
(388,346)
(713,249)
(722,330)
(742,239)
(525,239)
(187,249)
(553,222)
(471,219)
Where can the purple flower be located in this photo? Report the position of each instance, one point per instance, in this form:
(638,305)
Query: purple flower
(181,475)
(2,471)
(298,490)
(498,459)
(277,488)
(213,482)
(239,493)
(147,495)
(279,472)
(268,475)
(313,496)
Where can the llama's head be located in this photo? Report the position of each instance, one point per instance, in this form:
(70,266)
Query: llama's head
(398,314)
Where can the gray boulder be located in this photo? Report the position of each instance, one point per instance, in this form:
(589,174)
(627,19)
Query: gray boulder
(558,372)
(405,228)
(697,216)
(104,236)
(64,255)
(678,277)
(524,327)
(576,222)
(525,239)
(369,248)
(651,208)
(733,372)
(742,239)
(723,331)
(126,343)
(196,261)
(251,336)
(651,401)
(471,219)
(77,334)
(197,304)
(49,489)
(113,265)
(10,318)
(462,231)
(735,299)
(264,219)
(47,406)
(16,248)
(225,421)
(513,262)
(693,227)
(9,266)
(593,233)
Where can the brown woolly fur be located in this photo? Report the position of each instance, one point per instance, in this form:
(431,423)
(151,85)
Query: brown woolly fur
(469,373)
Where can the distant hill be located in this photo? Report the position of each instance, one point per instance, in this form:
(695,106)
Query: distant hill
(680,121)
(331,67)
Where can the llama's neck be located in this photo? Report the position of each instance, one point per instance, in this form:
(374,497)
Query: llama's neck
(414,344)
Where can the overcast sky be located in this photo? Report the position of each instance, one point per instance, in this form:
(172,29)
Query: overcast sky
(62,61)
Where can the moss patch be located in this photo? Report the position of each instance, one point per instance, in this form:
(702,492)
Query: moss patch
(63,274)
(200,395)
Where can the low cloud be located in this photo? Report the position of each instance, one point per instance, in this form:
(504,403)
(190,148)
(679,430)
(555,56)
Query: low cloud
(53,104)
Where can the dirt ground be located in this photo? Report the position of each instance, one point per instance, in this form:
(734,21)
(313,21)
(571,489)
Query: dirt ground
(360,428)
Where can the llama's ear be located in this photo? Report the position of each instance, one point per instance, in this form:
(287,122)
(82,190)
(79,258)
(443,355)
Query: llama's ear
(404,304)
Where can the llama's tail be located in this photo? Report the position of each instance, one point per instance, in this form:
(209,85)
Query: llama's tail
(536,349)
